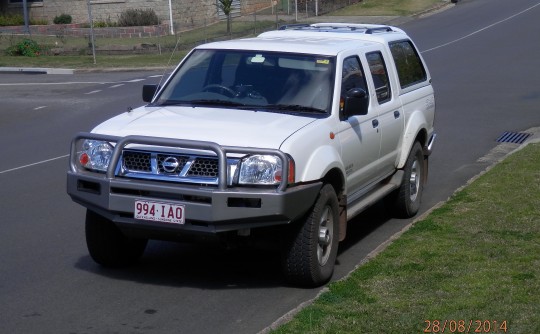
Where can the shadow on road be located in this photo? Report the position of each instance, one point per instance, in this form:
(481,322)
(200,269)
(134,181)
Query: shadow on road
(214,266)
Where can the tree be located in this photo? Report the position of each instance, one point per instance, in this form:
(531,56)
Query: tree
(226,7)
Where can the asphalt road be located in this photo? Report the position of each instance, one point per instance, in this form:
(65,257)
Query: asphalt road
(485,61)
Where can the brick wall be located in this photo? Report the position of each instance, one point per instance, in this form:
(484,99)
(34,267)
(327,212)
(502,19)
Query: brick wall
(185,12)
(102,10)
(194,13)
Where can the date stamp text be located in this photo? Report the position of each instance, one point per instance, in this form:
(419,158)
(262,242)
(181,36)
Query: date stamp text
(465,326)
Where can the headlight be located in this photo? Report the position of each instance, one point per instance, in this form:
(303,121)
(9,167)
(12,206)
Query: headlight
(96,155)
(263,170)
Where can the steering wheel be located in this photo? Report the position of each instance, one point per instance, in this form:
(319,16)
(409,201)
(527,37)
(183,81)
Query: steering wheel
(223,90)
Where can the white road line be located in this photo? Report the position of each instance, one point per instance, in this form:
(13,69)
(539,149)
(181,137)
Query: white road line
(93,92)
(135,80)
(40,107)
(116,86)
(480,30)
(33,164)
(56,83)
(156,76)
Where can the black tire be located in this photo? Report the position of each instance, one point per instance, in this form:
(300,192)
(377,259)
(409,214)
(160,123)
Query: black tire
(407,198)
(310,252)
(108,246)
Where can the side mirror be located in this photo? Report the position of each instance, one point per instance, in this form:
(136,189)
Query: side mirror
(148,92)
(356,102)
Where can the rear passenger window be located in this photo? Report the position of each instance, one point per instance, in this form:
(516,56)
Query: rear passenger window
(409,66)
(379,75)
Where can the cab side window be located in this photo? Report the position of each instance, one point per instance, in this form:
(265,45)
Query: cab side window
(352,75)
(409,66)
(379,74)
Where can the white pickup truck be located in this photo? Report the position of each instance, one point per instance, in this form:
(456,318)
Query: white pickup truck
(286,135)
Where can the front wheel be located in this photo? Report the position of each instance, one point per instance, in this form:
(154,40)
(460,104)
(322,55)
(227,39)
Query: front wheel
(310,252)
(107,245)
(407,198)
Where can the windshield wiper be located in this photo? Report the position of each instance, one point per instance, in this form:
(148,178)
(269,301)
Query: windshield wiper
(294,107)
(202,103)
(216,103)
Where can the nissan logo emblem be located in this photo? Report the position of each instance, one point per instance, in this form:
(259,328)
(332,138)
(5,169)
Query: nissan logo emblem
(170,164)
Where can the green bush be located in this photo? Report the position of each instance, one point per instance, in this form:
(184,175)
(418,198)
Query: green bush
(18,20)
(138,17)
(26,47)
(62,19)
(11,20)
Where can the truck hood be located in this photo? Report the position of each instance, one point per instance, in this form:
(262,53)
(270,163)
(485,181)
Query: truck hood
(226,127)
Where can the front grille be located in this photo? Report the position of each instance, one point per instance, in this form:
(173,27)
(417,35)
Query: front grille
(137,161)
(169,167)
(204,167)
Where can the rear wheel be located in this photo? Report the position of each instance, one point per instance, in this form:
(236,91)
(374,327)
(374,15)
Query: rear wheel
(407,198)
(107,245)
(310,253)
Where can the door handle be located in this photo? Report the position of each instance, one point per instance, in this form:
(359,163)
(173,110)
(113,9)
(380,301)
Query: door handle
(375,123)
(396,114)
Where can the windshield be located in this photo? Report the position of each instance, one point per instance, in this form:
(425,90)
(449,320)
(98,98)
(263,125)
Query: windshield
(261,80)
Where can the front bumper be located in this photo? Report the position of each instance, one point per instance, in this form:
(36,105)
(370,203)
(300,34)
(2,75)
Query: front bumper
(208,210)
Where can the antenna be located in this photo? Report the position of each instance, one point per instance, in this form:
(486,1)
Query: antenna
(167,67)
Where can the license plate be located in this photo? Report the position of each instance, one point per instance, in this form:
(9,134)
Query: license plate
(160,212)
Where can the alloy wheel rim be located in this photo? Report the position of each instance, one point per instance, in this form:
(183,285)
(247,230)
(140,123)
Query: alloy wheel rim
(414,180)
(325,234)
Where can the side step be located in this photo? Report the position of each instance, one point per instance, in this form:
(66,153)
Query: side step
(374,195)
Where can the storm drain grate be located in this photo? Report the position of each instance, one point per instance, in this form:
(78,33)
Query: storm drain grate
(513,137)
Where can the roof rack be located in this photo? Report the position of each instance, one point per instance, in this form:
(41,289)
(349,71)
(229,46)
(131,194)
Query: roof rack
(293,26)
(339,27)
(379,29)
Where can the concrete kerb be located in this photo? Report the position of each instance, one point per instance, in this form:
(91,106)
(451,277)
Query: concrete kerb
(124,69)
(36,70)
